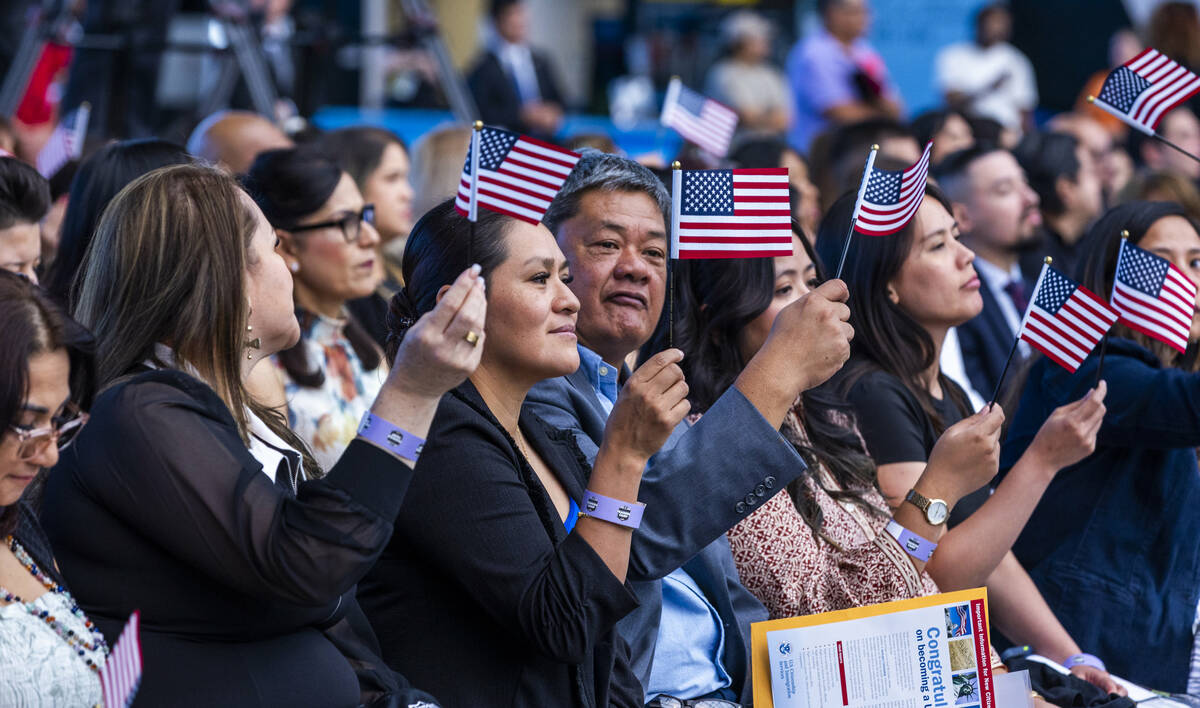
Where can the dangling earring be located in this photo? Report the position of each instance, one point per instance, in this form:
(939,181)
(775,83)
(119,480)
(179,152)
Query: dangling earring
(255,343)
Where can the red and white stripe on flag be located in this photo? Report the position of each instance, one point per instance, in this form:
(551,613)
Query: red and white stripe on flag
(518,175)
(892,198)
(742,213)
(1065,320)
(122,673)
(707,123)
(1170,84)
(1153,296)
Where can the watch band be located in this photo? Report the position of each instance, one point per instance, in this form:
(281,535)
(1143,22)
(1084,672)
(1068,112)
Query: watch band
(395,440)
(915,546)
(918,500)
(614,511)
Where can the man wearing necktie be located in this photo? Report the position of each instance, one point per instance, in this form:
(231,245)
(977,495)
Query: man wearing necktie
(515,86)
(997,214)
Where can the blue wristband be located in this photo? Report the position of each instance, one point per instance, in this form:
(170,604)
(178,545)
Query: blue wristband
(395,440)
(913,545)
(1084,660)
(614,511)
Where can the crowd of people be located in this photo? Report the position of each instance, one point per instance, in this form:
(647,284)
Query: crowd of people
(340,446)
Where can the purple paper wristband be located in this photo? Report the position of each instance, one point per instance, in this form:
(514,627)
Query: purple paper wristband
(395,440)
(1085,660)
(915,546)
(614,511)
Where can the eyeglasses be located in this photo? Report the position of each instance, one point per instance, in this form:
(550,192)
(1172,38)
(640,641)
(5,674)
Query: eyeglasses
(350,224)
(673,702)
(63,429)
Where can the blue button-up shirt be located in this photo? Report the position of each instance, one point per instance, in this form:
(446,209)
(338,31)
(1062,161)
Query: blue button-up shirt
(691,636)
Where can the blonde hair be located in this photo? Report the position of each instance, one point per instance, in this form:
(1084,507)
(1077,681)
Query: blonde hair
(437,163)
(168,265)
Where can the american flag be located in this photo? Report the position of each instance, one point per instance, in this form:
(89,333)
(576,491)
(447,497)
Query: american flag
(65,143)
(891,197)
(698,118)
(730,213)
(1153,296)
(518,175)
(1143,89)
(122,673)
(1065,320)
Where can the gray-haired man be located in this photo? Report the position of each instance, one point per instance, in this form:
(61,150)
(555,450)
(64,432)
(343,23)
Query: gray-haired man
(690,636)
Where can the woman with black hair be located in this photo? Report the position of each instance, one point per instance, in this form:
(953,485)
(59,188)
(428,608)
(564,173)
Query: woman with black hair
(947,128)
(506,574)
(906,291)
(99,179)
(828,544)
(1115,536)
(328,239)
(50,653)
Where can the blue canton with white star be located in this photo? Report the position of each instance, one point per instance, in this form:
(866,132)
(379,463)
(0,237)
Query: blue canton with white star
(1122,87)
(1056,289)
(707,193)
(1142,270)
(884,187)
(493,148)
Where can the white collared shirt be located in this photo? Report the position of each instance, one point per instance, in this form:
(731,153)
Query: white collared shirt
(518,62)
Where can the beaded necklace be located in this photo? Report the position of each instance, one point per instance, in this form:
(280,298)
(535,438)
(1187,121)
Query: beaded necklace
(74,640)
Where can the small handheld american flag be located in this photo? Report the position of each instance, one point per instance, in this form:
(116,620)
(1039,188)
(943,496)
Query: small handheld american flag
(517,175)
(730,213)
(1153,296)
(122,673)
(700,119)
(65,143)
(1064,320)
(888,199)
(1142,90)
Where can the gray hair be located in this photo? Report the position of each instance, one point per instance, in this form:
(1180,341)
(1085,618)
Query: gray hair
(608,173)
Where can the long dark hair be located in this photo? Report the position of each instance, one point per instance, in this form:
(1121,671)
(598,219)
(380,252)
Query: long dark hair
(1098,268)
(718,298)
(885,336)
(290,184)
(359,149)
(435,255)
(99,179)
(32,324)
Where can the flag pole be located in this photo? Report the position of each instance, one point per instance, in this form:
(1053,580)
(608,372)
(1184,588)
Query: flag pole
(1125,119)
(1017,339)
(673,261)
(862,191)
(473,207)
(1104,342)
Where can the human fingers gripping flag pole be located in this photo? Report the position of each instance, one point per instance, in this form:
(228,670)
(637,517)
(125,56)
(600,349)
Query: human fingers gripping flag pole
(516,175)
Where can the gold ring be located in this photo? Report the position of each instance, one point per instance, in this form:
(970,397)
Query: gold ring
(472,337)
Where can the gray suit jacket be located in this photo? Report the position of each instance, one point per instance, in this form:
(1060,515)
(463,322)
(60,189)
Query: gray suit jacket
(706,479)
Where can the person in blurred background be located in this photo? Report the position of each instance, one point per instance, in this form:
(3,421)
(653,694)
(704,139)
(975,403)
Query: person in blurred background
(836,76)
(990,77)
(947,128)
(232,139)
(746,80)
(514,85)
(437,164)
(1179,126)
(331,375)
(1174,30)
(24,201)
(100,177)
(774,152)
(1164,186)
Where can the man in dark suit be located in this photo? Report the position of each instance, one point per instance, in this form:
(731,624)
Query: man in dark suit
(515,86)
(998,215)
(690,636)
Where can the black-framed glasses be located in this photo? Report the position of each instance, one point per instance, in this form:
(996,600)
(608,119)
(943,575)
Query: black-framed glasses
(350,224)
(63,429)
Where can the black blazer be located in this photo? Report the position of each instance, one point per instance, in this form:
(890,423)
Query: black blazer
(496,95)
(986,340)
(481,596)
(246,589)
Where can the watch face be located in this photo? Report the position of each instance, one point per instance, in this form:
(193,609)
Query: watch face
(937,512)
